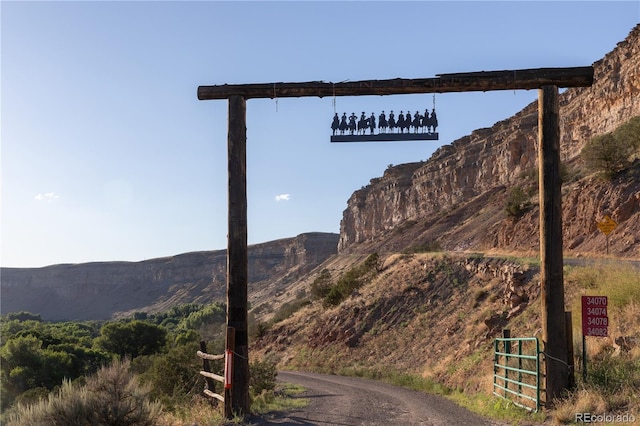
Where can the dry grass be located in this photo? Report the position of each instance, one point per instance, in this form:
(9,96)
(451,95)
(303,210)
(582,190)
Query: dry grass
(444,339)
(613,376)
(111,397)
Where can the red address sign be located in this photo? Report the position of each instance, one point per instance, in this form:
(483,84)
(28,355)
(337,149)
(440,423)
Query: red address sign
(595,301)
(595,321)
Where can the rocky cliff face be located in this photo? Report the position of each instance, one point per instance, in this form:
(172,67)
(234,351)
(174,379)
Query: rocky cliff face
(102,290)
(498,157)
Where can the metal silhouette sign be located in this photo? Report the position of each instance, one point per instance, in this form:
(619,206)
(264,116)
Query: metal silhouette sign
(403,127)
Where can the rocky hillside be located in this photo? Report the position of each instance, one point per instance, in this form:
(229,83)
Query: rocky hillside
(103,290)
(454,201)
(455,197)
(418,312)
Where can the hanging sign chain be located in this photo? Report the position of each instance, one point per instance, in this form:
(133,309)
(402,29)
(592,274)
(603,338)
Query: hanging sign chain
(275,96)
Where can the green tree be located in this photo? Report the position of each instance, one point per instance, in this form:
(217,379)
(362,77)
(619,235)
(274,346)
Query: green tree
(21,367)
(23,316)
(131,339)
(604,154)
(629,134)
(612,152)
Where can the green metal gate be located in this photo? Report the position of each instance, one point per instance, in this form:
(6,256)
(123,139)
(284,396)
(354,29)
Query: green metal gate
(516,371)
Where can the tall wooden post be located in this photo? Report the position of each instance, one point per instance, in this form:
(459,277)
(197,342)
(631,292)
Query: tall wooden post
(237,275)
(551,279)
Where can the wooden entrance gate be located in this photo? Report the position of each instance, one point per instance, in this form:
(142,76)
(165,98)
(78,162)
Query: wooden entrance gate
(546,80)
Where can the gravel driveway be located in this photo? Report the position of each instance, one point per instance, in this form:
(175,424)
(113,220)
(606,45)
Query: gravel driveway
(337,400)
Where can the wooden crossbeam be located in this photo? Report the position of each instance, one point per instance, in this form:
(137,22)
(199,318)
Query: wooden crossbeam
(481,81)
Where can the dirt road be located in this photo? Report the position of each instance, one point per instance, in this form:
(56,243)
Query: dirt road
(336,400)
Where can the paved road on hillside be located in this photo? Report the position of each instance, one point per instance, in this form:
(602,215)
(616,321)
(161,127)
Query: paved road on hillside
(337,400)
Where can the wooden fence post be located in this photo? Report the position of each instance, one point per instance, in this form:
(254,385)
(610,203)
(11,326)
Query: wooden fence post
(206,366)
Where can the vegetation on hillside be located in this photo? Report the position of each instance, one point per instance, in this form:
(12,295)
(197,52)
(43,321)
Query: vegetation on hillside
(441,322)
(612,152)
(352,280)
(61,370)
(141,371)
(517,202)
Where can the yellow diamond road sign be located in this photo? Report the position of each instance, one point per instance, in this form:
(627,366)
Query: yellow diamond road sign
(607,225)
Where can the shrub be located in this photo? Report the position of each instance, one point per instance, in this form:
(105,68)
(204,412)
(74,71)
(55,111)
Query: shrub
(629,134)
(111,397)
(288,309)
(517,202)
(351,280)
(173,376)
(612,152)
(321,285)
(262,376)
(426,247)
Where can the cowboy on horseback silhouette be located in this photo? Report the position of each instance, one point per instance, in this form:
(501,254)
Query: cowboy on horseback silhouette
(392,122)
(352,123)
(335,125)
(382,123)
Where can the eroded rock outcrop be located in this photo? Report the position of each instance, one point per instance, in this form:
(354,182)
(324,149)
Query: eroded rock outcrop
(498,156)
(102,290)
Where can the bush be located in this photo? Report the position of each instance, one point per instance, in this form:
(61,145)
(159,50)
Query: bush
(173,376)
(517,202)
(288,309)
(262,376)
(426,247)
(629,134)
(321,285)
(612,152)
(352,280)
(111,397)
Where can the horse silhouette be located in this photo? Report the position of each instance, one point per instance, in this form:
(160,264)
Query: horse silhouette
(352,123)
(335,125)
(363,124)
(343,123)
(392,122)
(430,122)
(417,119)
(401,122)
(382,123)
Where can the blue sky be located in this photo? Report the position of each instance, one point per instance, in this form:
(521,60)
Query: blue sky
(108,155)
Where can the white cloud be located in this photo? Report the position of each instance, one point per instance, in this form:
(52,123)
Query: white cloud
(283,197)
(47,196)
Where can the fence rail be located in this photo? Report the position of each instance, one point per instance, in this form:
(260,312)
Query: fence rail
(209,356)
(205,372)
(226,379)
(516,375)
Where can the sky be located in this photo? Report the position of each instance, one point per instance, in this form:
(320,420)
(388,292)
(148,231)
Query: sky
(107,154)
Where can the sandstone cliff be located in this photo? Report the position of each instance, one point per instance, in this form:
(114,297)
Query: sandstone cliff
(102,290)
(464,183)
